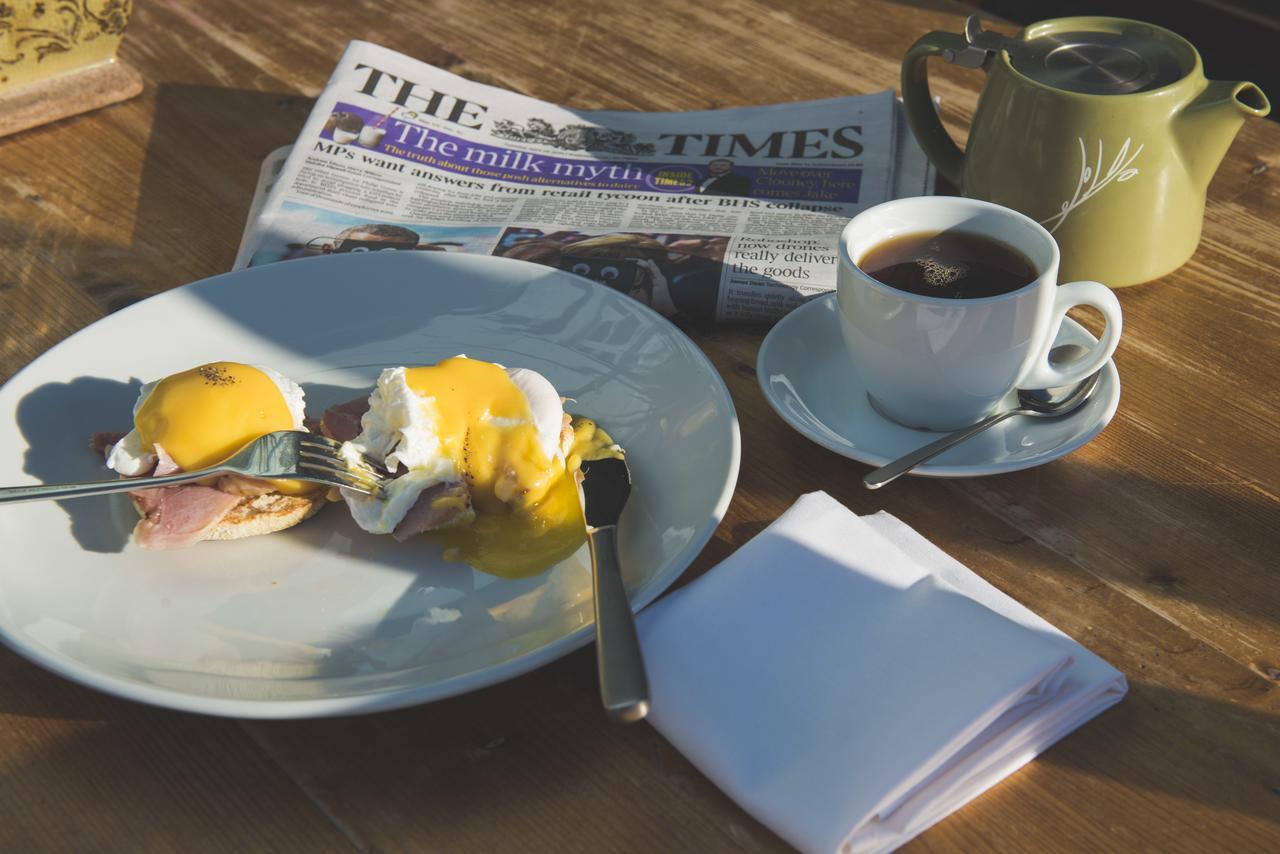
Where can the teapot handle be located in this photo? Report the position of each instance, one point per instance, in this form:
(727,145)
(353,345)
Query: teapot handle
(918,102)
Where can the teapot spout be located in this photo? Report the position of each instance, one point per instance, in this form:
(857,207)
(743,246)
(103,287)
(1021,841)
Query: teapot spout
(1206,126)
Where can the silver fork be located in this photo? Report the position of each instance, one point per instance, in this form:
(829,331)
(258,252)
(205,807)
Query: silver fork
(284,455)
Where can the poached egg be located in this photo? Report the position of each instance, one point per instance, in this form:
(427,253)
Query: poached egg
(201,416)
(500,431)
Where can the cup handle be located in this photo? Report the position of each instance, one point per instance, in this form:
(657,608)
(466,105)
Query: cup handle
(1046,375)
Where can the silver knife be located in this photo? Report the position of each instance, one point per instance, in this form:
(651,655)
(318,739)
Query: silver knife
(624,687)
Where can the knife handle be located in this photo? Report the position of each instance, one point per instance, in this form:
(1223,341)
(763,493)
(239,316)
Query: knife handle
(624,687)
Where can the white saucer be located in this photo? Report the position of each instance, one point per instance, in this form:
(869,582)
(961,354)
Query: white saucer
(809,379)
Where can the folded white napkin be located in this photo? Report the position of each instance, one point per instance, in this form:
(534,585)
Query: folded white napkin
(849,684)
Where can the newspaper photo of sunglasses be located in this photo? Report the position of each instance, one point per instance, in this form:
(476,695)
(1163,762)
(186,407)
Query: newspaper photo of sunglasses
(375,237)
(328,245)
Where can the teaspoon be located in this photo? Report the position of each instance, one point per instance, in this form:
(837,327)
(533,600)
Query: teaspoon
(1037,403)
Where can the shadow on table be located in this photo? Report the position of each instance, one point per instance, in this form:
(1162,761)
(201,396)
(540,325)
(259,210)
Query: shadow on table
(1088,510)
(1204,751)
(203,154)
(88,771)
(538,732)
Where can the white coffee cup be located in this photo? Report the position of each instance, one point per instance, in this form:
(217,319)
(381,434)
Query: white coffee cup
(939,363)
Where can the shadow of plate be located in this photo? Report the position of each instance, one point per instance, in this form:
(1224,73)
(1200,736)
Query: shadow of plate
(57,419)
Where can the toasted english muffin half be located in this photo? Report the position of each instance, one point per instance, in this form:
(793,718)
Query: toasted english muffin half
(265,514)
(252,515)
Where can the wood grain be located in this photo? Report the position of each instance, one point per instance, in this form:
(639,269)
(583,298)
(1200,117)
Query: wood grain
(1155,545)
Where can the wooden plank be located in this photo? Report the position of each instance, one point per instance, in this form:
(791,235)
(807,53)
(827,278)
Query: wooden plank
(531,763)
(82,771)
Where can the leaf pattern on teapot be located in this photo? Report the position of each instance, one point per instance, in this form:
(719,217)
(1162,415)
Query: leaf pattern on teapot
(1092,180)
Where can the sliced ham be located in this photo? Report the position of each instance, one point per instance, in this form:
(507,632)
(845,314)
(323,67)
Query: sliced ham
(342,422)
(441,506)
(178,516)
(164,463)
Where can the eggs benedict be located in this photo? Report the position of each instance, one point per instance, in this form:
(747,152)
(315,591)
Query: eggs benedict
(486,462)
(197,418)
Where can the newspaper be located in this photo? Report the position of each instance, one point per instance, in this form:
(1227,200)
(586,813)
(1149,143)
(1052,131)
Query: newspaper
(729,215)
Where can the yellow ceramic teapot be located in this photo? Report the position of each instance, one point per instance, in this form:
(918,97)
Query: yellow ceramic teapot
(1104,130)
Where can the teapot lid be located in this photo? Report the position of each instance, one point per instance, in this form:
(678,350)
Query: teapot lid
(1093,62)
(1097,63)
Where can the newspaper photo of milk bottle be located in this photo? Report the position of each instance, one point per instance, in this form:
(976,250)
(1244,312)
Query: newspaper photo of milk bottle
(728,215)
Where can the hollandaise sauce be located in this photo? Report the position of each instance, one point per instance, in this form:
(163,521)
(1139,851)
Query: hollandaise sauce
(528,507)
(204,415)
(484,423)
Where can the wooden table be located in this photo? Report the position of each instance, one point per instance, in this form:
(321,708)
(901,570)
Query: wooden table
(1156,545)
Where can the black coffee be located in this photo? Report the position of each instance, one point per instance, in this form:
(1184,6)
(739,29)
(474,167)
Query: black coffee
(949,264)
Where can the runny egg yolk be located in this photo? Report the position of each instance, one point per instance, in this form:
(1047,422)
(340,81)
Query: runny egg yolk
(522,542)
(204,415)
(528,511)
(590,442)
(525,543)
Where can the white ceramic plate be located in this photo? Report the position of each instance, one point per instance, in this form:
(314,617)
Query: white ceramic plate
(809,379)
(324,619)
